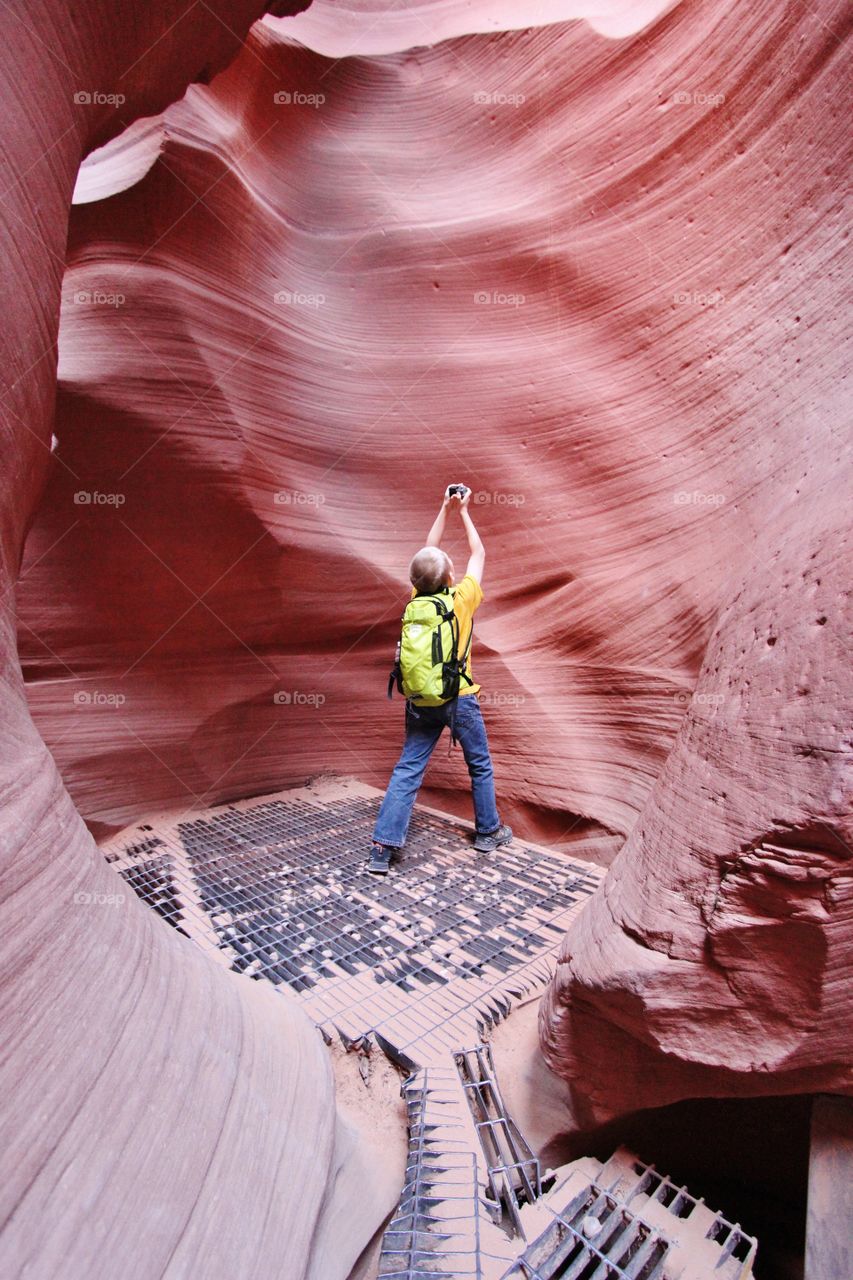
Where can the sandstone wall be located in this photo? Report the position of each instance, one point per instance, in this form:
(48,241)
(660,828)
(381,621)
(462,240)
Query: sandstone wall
(160,1116)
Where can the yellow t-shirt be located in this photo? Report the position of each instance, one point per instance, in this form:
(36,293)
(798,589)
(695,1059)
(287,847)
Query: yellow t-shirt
(467,598)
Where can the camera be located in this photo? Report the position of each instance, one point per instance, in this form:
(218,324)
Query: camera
(456,490)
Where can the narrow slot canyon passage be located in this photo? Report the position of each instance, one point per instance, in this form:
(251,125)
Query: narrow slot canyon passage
(555,296)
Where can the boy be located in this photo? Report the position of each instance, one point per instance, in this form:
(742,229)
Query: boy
(431,573)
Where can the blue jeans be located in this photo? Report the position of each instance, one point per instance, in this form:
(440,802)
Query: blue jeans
(423,730)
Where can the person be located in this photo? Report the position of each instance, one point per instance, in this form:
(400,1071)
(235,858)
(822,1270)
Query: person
(431,572)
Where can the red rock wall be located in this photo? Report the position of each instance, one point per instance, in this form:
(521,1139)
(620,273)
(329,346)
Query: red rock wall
(160,1116)
(609,297)
(717,958)
(597,300)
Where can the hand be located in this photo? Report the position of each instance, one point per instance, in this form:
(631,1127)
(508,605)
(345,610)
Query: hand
(453,499)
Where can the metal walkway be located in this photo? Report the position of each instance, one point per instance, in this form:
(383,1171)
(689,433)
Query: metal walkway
(422,963)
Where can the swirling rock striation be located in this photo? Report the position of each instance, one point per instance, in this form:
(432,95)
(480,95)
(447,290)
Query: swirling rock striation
(599,279)
(524,257)
(160,1116)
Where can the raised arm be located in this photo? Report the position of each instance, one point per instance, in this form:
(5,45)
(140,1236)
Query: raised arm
(477,556)
(436,533)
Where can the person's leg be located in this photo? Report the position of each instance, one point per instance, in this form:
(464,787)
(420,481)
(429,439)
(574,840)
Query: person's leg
(471,732)
(423,730)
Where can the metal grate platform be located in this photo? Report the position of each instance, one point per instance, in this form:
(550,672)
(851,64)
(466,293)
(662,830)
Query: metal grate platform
(437,1222)
(594,1235)
(423,961)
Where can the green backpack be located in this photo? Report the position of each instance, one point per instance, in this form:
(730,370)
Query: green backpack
(427,665)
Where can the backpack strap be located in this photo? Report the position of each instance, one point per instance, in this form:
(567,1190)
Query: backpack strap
(462,663)
(395,676)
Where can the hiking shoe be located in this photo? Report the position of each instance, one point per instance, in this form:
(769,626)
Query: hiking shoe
(494,839)
(379,862)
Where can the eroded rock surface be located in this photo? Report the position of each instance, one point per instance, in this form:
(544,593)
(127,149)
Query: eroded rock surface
(716,960)
(598,277)
(600,280)
(160,1116)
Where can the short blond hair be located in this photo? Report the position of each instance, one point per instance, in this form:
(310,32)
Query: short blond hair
(429,570)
